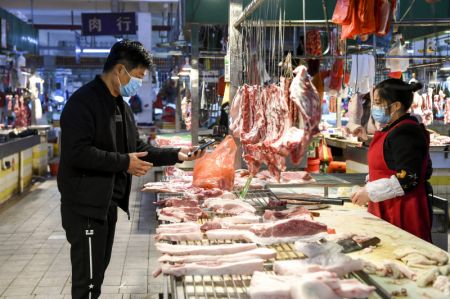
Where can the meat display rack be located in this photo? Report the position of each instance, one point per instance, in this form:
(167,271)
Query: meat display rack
(235,286)
(220,286)
(327,181)
(259,197)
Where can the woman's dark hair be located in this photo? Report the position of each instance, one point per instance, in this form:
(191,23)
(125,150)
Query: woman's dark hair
(396,90)
(131,54)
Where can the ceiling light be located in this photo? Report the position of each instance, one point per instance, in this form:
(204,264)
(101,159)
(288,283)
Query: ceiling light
(77,50)
(96,51)
(175,77)
(410,51)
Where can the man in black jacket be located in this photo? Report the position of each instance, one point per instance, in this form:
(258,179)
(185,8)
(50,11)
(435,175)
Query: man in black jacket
(100,150)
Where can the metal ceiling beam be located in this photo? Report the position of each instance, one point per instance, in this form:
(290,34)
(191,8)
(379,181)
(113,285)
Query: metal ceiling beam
(322,23)
(249,9)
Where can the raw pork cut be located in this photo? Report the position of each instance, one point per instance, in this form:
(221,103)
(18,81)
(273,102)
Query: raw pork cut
(180,214)
(245,267)
(187,227)
(312,289)
(413,256)
(203,249)
(234,222)
(177,237)
(309,104)
(270,215)
(318,285)
(177,202)
(228,206)
(261,252)
(300,267)
(288,228)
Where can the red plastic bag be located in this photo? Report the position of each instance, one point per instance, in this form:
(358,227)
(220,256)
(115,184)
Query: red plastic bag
(216,169)
(362,19)
(343,12)
(366,14)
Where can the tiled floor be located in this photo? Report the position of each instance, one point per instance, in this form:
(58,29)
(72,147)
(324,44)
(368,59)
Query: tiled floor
(34,254)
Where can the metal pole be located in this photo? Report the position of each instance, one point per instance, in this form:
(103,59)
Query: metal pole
(246,12)
(323,23)
(194,84)
(235,52)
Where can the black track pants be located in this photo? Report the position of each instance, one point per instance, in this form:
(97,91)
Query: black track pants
(91,243)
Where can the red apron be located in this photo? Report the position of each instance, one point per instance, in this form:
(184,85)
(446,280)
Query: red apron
(409,212)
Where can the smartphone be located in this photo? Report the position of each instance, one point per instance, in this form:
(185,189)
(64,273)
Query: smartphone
(201,147)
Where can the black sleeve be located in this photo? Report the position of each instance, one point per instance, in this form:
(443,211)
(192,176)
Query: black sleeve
(157,156)
(77,139)
(406,148)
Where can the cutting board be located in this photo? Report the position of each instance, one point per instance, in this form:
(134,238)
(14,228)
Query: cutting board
(352,219)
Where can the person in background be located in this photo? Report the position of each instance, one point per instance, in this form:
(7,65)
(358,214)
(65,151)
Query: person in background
(399,162)
(100,151)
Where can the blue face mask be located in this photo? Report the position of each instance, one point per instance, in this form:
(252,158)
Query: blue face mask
(131,88)
(379,114)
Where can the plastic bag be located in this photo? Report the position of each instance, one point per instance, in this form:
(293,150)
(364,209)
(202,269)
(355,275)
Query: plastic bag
(324,152)
(216,169)
(343,12)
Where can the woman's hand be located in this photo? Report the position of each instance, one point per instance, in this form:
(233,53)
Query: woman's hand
(184,151)
(360,197)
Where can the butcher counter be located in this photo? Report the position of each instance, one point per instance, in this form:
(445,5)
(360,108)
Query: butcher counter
(344,219)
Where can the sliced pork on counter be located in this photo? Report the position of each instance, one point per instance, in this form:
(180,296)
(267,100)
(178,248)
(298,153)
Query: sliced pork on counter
(177,202)
(300,267)
(288,228)
(318,285)
(180,214)
(281,231)
(261,252)
(299,211)
(229,206)
(244,267)
(203,249)
(187,227)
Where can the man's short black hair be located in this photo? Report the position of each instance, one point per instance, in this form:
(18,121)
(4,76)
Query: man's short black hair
(131,54)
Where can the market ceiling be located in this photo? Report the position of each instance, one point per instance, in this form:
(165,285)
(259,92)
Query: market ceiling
(216,12)
(59,11)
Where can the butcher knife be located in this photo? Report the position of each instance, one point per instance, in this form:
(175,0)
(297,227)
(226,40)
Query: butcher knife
(319,200)
(350,245)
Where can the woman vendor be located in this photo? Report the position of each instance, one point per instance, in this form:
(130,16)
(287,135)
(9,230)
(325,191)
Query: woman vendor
(399,163)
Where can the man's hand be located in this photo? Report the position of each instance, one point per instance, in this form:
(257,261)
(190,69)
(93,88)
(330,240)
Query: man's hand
(183,154)
(137,166)
(360,197)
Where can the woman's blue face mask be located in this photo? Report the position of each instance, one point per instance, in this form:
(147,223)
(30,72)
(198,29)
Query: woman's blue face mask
(379,114)
(130,89)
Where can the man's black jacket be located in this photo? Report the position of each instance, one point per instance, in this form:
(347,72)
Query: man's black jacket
(89,157)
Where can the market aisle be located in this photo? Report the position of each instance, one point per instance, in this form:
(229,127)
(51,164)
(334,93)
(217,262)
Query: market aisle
(34,255)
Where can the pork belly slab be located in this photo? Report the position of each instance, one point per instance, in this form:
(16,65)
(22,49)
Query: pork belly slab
(261,252)
(243,267)
(203,249)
